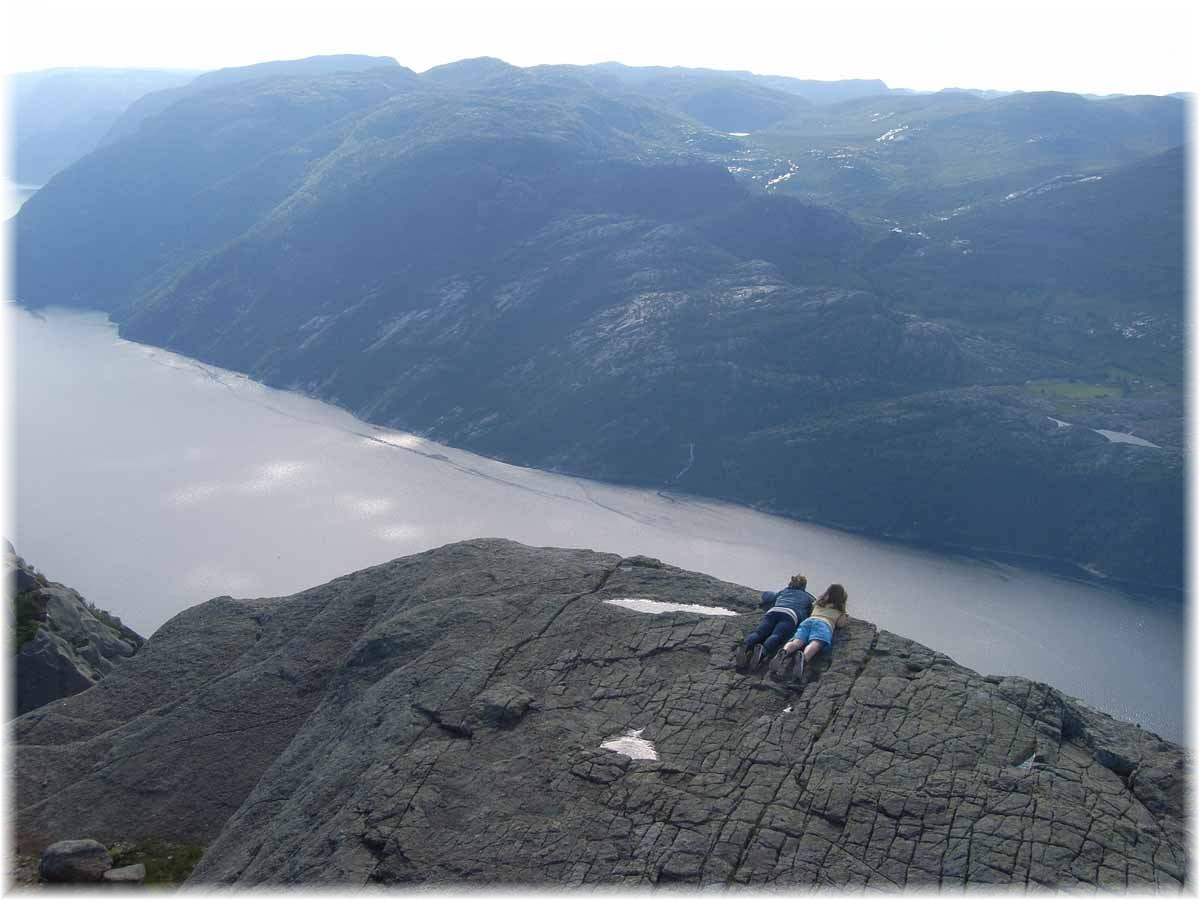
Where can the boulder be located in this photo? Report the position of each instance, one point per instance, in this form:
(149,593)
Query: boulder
(74,861)
(48,669)
(550,738)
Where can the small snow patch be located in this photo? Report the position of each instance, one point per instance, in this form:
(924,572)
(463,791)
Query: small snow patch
(632,745)
(655,607)
(896,134)
(1059,422)
(792,170)
(1053,184)
(1121,437)
(739,134)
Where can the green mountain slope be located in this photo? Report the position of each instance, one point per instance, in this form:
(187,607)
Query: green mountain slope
(206,171)
(1089,267)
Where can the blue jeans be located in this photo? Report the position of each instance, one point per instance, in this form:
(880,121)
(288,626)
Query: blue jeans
(814,630)
(773,630)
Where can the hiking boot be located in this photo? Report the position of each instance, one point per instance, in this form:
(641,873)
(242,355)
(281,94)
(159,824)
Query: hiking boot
(756,658)
(741,657)
(781,665)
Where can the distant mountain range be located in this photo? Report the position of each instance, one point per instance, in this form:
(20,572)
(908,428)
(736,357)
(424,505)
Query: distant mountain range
(869,309)
(59,115)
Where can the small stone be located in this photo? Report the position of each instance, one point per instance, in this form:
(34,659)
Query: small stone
(135,874)
(74,861)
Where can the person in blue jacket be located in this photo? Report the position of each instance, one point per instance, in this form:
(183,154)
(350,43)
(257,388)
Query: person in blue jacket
(786,609)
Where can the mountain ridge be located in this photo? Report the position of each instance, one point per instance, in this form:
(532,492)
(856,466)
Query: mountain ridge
(158,101)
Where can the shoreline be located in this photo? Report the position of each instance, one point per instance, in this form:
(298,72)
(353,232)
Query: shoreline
(1059,567)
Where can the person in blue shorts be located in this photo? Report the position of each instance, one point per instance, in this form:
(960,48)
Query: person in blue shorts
(815,633)
(785,610)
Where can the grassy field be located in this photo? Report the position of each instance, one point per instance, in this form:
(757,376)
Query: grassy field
(1067,395)
(1058,390)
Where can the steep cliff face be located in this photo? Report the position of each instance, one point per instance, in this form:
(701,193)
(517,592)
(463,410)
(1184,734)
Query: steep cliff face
(64,644)
(493,713)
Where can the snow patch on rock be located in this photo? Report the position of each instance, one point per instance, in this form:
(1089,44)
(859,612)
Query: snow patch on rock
(1053,184)
(656,607)
(631,744)
(1121,437)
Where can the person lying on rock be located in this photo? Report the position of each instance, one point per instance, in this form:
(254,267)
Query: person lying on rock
(815,633)
(785,610)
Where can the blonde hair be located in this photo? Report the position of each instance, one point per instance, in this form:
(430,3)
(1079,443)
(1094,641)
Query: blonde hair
(835,595)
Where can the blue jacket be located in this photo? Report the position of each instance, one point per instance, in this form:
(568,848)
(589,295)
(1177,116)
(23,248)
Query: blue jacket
(790,600)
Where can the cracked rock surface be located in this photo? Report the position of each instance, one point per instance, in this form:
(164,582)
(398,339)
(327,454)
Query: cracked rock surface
(439,719)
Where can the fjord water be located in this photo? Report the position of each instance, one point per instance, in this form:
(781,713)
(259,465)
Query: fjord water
(150,482)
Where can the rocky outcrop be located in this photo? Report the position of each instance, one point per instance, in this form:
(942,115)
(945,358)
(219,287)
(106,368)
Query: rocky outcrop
(64,644)
(481,714)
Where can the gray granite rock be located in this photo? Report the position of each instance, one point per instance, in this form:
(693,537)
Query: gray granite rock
(74,861)
(478,714)
(48,669)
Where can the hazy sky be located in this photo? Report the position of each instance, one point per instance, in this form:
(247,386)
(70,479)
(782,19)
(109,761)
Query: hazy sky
(1096,47)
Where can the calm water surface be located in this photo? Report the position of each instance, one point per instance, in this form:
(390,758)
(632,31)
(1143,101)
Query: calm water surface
(150,482)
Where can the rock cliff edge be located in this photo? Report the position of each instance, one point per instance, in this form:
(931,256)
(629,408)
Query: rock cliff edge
(443,718)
